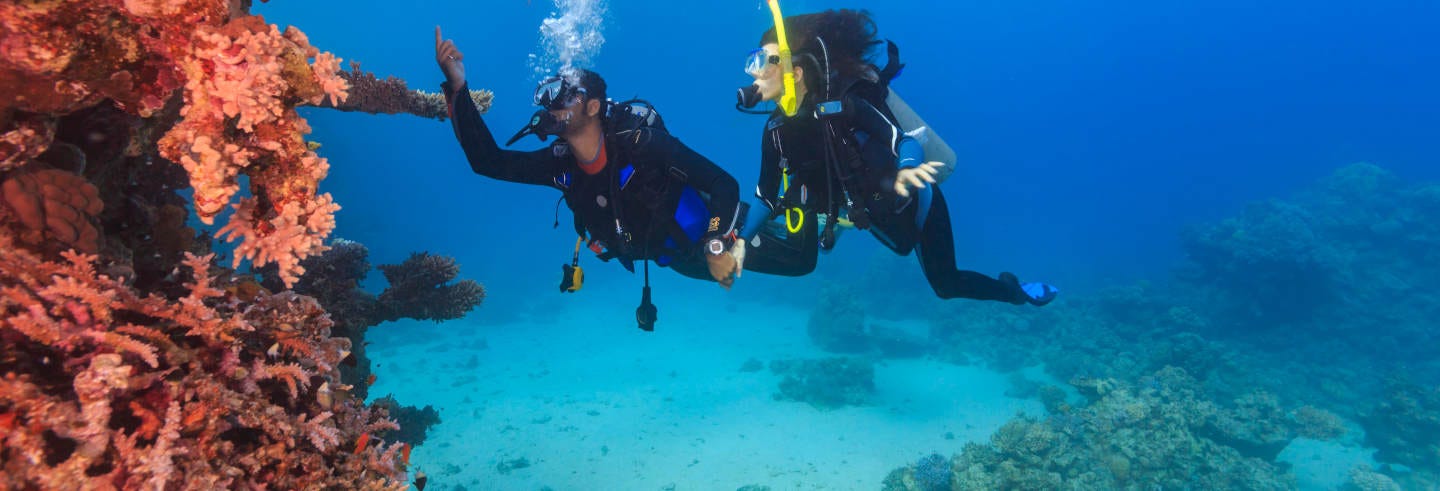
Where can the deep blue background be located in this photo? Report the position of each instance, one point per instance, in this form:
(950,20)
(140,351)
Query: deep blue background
(1089,133)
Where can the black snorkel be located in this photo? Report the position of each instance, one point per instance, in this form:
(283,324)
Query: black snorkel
(542,125)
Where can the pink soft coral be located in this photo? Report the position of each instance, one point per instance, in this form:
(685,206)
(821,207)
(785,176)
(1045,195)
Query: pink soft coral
(188,398)
(298,231)
(248,73)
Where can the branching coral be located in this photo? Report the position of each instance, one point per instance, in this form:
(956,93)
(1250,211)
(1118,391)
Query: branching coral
(391,95)
(419,290)
(105,388)
(241,80)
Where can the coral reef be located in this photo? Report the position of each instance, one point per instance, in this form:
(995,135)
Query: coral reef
(1404,426)
(240,77)
(129,360)
(1366,479)
(370,94)
(419,289)
(56,205)
(1293,312)
(837,321)
(838,324)
(106,388)
(334,277)
(827,383)
(1151,436)
(414,422)
(1350,257)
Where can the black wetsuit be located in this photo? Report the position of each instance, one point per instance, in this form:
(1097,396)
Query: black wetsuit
(670,199)
(797,146)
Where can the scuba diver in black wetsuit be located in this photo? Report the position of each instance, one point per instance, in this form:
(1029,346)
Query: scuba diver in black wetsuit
(833,151)
(637,193)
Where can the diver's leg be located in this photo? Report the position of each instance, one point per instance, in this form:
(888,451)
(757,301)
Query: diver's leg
(775,251)
(936,248)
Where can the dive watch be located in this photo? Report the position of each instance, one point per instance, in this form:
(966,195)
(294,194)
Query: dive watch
(715,247)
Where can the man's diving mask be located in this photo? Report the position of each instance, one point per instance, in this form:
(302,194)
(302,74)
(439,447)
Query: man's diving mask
(553,94)
(556,93)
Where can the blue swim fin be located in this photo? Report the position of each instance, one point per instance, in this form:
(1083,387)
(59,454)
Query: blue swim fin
(1039,293)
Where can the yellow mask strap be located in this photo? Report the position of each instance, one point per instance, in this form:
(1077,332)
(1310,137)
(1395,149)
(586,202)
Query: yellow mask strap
(787,100)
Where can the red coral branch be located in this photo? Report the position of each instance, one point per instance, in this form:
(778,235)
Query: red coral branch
(199,364)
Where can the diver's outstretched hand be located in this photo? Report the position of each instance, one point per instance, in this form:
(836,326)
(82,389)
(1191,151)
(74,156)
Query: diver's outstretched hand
(723,268)
(737,251)
(449,57)
(916,177)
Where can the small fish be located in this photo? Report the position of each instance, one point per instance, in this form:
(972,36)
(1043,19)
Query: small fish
(369,381)
(420,481)
(405,455)
(361,442)
(324,396)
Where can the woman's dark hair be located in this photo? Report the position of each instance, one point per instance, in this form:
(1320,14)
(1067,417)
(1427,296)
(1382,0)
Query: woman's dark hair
(848,36)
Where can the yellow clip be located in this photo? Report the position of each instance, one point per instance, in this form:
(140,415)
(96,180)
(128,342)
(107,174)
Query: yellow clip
(795,225)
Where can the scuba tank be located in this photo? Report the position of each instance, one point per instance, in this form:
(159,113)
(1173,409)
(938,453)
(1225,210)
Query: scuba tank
(936,150)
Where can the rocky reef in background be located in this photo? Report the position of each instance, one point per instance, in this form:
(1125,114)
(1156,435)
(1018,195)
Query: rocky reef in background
(1284,322)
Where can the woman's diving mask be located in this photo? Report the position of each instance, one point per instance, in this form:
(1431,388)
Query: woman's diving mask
(760,60)
(756,63)
(757,60)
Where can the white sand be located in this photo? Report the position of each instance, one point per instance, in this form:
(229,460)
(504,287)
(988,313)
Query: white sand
(596,406)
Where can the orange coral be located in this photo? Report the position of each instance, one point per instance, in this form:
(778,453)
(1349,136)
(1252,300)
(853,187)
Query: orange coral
(248,73)
(184,402)
(241,79)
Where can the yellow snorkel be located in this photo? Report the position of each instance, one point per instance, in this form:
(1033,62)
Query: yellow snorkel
(787,100)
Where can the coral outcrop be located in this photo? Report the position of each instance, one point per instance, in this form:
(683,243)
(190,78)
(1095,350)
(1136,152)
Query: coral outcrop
(128,359)
(106,388)
(1150,436)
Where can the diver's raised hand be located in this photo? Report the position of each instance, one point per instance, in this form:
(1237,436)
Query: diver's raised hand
(450,59)
(916,177)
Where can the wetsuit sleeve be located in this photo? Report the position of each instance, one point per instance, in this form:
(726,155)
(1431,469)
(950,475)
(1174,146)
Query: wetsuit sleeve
(486,157)
(911,153)
(658,147)
(767,191)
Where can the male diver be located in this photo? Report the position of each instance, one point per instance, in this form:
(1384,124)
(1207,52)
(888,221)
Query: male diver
(832,149)
(637,193)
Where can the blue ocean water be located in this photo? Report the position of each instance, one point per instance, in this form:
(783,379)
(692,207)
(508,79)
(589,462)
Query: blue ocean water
(1090,136)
